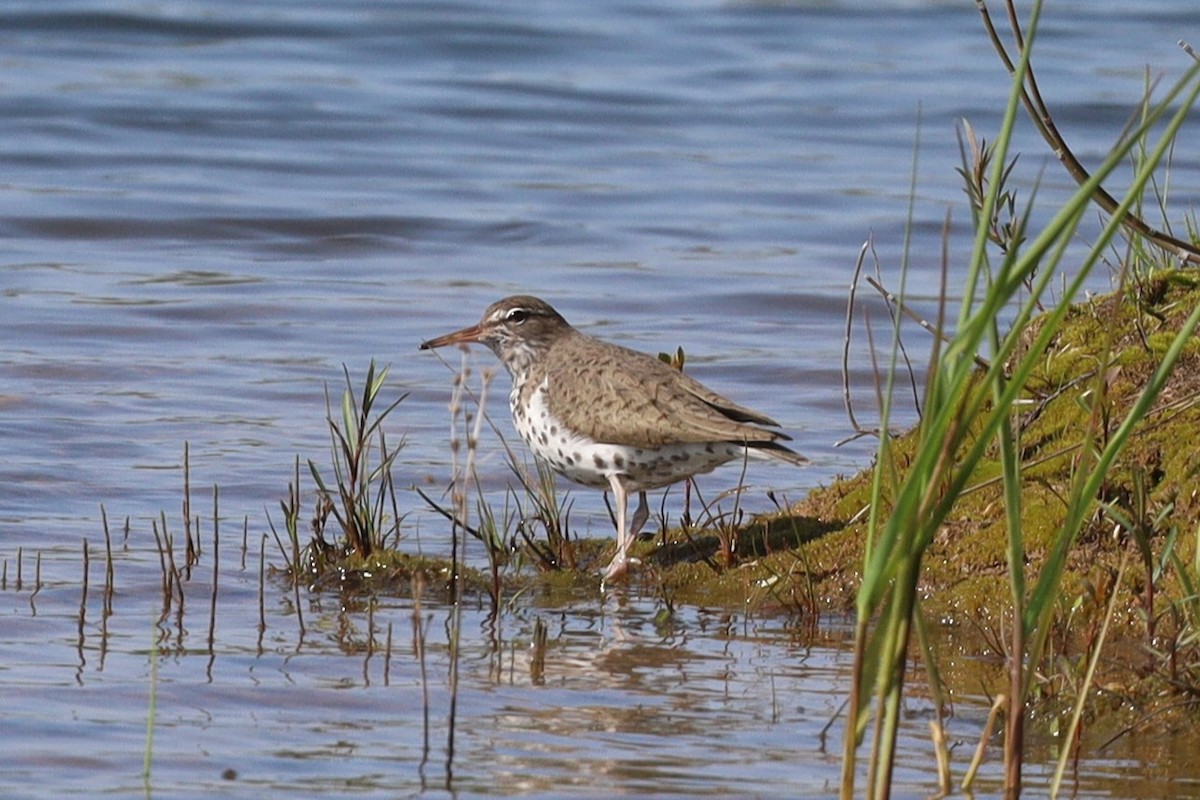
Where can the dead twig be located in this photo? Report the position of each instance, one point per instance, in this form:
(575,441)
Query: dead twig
(1039,113)
(868,246)
(903,308)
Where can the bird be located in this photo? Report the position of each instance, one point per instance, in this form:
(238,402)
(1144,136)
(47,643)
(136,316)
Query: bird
(609,417)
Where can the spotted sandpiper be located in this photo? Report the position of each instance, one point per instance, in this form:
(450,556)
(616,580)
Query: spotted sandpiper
(609,417)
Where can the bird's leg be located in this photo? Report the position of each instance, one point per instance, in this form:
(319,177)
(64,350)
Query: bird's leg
(639,517)
(620,563)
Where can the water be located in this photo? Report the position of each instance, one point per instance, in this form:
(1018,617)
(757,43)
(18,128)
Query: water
(625,701)
(206,209)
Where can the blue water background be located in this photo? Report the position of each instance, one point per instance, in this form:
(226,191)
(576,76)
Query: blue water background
(207,208)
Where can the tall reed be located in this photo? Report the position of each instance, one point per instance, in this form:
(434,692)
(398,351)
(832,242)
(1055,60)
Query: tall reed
(966,410)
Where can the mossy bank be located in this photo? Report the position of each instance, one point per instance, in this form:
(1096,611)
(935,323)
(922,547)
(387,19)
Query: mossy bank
(1139,541)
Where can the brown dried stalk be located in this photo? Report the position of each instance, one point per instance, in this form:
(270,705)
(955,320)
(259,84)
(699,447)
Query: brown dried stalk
(1031,98)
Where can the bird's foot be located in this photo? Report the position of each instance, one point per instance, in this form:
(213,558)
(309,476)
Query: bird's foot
(618,568)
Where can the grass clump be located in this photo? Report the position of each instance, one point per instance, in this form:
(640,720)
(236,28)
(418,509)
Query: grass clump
(978,423)
(354,531)
(361,489)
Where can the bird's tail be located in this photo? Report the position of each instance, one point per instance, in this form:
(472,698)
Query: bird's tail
(776,450)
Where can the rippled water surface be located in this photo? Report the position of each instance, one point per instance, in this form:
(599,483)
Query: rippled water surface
(207,208)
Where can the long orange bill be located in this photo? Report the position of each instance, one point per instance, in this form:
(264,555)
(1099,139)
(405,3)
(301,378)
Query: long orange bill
(465,336)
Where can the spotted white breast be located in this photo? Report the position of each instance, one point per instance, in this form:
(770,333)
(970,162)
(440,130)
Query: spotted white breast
(590,463)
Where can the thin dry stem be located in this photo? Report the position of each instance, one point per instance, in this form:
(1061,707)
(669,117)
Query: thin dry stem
(867,246)
(212,607)
(262,591)
(998,705)
(1039,112)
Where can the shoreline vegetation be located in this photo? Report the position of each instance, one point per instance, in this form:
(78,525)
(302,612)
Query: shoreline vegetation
(1138,549)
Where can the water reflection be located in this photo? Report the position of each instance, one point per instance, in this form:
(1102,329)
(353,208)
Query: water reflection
(620,697)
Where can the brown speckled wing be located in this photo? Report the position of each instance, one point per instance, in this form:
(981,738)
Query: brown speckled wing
(619,396)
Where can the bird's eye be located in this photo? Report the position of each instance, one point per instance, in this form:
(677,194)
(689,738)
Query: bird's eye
(518,315)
